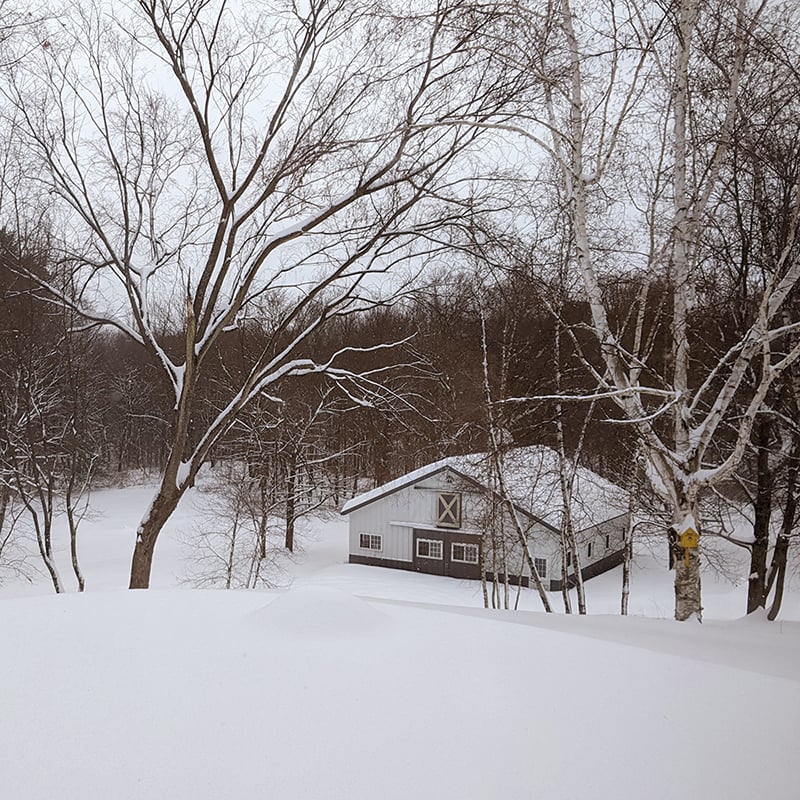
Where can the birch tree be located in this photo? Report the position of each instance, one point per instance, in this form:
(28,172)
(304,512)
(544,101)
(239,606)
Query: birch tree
(663,82)
(204,156)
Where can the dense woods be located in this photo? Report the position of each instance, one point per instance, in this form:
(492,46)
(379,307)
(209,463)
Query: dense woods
(363,240)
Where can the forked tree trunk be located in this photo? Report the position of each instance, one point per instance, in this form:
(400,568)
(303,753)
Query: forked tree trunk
(42,520)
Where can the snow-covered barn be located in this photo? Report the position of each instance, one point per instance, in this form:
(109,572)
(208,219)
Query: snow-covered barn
(449,518)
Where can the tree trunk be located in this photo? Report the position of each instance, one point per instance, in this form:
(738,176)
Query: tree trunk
(232,552)
(565,477)
(72,522)
(779,559)
(263,517)
(757,582)
(630,523)
(566,561)
(626,571)
(291,489)
(777,571)
(627,557)
(42,527)
(73,546)
(687,568)
(484,584)
(526,554)
(5,499)
(161,507)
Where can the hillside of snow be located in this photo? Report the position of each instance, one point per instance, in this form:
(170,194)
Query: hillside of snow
(358,682)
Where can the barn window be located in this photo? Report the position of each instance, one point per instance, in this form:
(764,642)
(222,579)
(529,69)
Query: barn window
(429,548)
(608,540)
(466,553)
(370,541)
(448,509)
(541,567)
(589,550)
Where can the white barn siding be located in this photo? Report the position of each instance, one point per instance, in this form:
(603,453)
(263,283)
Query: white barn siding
(394,516)
(375,518)
(601,556)
(395,511)
(542,543)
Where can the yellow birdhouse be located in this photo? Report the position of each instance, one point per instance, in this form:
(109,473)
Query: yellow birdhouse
(689,538)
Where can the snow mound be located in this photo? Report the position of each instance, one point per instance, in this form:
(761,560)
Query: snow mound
(315,611)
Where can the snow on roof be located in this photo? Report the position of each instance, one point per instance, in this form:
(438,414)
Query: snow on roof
(532,481)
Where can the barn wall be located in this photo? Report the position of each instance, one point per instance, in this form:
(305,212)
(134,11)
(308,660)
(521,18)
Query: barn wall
(414,505)
(542,543)
(604,557)
(395,516)
(375,518)
(614,529)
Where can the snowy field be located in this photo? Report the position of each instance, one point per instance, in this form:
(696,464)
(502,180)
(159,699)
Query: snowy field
(360,682)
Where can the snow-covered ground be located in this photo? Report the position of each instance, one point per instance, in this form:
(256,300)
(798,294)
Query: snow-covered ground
(360,682)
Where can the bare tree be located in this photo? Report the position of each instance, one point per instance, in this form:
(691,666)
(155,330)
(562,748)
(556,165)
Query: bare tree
(505,510)
(13,558)
(48,447)
(634,74)
(239,545)
(205,157)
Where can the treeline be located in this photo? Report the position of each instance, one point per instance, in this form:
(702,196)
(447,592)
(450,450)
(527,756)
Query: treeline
(82,402)
(70,386)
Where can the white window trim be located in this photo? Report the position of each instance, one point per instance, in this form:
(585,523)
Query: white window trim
(437,543)
(467,546)
(371,539)
(539,572)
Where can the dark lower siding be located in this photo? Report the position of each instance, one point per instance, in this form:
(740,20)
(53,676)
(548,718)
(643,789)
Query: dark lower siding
(514,580)
(430,566)
(472,571)
(454,569)
(599,567)
(457,569)
(372,561)
(446,565)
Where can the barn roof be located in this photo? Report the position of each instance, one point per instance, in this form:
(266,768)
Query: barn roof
(532,481)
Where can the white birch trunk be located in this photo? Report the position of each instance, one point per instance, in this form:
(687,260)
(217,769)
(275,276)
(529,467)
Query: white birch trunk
(674,461)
